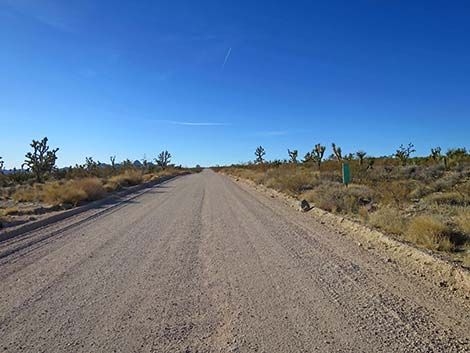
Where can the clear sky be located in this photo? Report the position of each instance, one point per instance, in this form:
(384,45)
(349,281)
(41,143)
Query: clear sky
(211,80)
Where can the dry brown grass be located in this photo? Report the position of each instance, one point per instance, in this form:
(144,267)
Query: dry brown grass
(10,211)
(59,192)
(389,220)
(430,232)
(335,197)
(128,178)
(447,198)
(386,197)
(463,221)
(73,192)
(26,193)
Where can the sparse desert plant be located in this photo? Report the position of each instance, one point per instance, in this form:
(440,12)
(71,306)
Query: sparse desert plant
(337,152)
(10,211)
(430,232)
(436,155)
(128,178)
(74,191)
(163,159)
(112,159)
(26,193)
(463,221)
(403,153)
(293,155)
(291,181)
(42,160)
(360,156)
(91,166)
(335,197)
(396,192)
(316,155)
(456,154)
(447,198)
(389,220)
(259,154)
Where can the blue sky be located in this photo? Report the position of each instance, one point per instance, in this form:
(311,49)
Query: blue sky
(211,80)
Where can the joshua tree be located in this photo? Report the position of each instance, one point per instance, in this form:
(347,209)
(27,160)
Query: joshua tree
(349,157)
(113,163)
(317,154)
(293,155)
(163,159)
(307,157)
(41,161)
(2,163)
(337,152)
(90,165)
(259,153)
(403,153)
(127,165)
(360,155)
(436,154)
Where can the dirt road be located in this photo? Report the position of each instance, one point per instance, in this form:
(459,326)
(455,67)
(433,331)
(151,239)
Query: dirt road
(201,264)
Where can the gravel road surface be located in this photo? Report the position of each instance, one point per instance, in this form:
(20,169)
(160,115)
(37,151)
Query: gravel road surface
(203,264)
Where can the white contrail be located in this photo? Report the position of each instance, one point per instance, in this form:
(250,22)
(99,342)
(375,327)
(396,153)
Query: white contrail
(226,58)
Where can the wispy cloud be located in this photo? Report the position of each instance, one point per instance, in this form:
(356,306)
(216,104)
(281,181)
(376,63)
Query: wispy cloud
(226,58)
(52,14)
(191,123)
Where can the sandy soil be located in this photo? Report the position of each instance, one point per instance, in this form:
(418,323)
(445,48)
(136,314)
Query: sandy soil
(202,264)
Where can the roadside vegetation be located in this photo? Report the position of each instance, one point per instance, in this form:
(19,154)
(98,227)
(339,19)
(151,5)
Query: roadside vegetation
(40,186)
(424,200)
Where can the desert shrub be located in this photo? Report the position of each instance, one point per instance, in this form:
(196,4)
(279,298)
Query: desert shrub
(464,189)
(408,171)
(446,198)
(389,220)
(429,173)
(395,192)
(128,178)
(335,197)
(447,182)
(463,221)
(420,191)
(430,232)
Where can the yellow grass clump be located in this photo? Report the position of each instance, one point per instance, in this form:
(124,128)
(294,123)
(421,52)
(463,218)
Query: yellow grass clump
(389,220)
(430,232)
(74,191)
(463,221)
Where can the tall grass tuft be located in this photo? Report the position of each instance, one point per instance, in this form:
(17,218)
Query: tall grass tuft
(430,232)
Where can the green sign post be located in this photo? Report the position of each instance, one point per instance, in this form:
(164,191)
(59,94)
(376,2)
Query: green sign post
(346,174)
